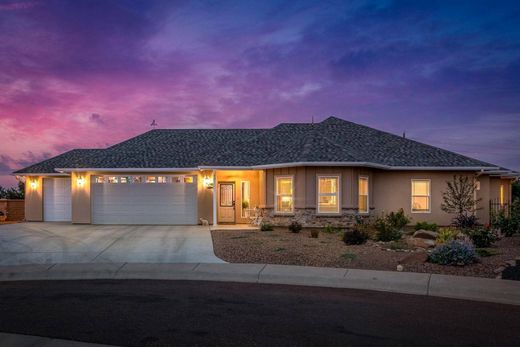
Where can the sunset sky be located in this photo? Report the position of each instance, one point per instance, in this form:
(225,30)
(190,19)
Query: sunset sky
(87,74)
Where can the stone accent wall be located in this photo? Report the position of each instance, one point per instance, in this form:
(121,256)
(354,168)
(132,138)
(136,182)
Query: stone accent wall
(308,218)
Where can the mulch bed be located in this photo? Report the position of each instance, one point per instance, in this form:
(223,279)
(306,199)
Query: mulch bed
(283,247)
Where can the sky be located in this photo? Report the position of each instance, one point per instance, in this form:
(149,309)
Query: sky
(89,74)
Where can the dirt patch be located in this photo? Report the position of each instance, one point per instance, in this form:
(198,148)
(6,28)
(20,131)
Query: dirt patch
(283,247)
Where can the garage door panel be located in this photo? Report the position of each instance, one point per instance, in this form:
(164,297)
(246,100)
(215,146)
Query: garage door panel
(57,200)
(144,203)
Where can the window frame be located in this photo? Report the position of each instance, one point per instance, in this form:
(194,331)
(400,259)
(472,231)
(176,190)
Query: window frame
(276,178)
(429,196)
(338,194)
(360,177)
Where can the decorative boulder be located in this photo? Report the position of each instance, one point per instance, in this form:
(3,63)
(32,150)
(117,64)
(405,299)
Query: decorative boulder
(421,243)
(425,234)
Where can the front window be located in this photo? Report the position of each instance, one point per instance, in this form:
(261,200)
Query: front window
(328,194)
(363,194)
(246,198)
(284,194)
(421,196)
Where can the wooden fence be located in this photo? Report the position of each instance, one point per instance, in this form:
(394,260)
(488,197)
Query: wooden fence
(15,209)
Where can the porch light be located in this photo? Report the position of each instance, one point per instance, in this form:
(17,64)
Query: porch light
(80,181)
(207,181)
(34,184)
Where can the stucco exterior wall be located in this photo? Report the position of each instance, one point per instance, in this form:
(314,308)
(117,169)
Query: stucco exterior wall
(34,199)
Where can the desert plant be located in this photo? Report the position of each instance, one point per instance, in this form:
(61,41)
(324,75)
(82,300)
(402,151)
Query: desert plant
(398,219)
(295,227)
(356,236)
(426,226)
(453,253)
(315,233)
(446,234)
(385,231)
(481,237)
(330,229)
(508,224)
(459,199)
(245,204)
(266,227)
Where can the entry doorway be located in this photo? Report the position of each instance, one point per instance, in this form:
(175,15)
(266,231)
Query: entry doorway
(226,202)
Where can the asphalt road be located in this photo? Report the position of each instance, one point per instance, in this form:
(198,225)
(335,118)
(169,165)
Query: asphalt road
(178,313)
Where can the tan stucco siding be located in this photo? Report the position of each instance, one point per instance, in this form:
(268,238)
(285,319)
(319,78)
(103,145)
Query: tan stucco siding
(81,203)
(34,199)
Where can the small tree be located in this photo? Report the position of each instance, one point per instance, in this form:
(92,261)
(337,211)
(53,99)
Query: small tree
(13,193)
(459,199)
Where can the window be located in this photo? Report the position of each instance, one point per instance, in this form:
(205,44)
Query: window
(112,179)
(363,194)
(162,179)
(124,179)
(137,179)
(177,179)
(188,179)
(246,198)
(421,196)
(328,194)
(99,179)
(502,199)
(284,194)
(151,179)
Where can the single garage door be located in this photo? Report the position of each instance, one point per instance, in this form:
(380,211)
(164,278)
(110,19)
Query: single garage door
(57,200)
(144,199)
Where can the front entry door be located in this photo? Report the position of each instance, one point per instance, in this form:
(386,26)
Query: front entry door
(226,206)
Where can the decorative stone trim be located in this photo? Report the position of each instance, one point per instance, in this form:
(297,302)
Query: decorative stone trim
(308,217)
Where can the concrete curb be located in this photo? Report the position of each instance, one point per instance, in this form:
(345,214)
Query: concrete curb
(18,340)
(468,288)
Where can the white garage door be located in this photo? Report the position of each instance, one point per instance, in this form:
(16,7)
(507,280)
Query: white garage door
(56,200)
(144,200)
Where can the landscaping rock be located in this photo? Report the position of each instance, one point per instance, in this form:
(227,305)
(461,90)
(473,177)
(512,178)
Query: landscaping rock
(421,243)
(425,234)
(499,270)
(414,258)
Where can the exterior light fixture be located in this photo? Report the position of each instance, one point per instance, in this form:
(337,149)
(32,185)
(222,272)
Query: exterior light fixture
(34,184)
(208,182)
(80,181)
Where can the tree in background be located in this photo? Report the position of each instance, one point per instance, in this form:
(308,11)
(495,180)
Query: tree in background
(516,191)
(459,199)
(13,193)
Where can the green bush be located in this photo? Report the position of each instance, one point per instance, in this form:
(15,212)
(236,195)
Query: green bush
(446,234)
(426,226)
(385,231)
(398,219)
(481,237)
(295,227)
(453,253)
(330,229)
(266,227)
(508,224)
(356,236)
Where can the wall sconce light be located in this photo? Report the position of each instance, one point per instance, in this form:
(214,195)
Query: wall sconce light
(34,184)
(208,182)
(80,181)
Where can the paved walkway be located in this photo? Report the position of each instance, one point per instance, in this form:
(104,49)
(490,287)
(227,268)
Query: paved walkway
(469,288)
(17,340)
(50,243)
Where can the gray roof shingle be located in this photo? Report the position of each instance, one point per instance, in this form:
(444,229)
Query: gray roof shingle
(333,140)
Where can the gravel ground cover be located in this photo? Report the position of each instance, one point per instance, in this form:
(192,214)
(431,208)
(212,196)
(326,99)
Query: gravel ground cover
(328,250)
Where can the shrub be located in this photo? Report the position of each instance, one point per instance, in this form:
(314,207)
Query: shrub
(426,226)
(508,225)
(463,221)
(398,219)
(446,234)
(266,227)
(330,229)
(481,237)
(453,253)
(486,252)
(385,231)
(315,233)
(295,227)
(356,236)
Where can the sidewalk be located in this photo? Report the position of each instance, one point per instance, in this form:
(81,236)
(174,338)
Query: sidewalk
(17,340)
(468,288)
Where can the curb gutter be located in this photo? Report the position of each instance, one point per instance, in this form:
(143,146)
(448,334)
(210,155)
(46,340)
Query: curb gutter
(458,287)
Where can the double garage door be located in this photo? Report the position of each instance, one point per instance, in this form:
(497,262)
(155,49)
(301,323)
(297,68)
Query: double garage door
(144,200)
(128,200)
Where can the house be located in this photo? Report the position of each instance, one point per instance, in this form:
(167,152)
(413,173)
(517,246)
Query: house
(321,173)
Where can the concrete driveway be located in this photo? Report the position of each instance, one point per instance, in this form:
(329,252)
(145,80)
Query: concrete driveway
(46,243)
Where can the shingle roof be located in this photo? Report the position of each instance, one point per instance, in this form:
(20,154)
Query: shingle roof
(333,140)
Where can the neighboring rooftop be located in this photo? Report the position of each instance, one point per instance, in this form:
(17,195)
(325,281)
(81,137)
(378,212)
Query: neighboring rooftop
(332,141)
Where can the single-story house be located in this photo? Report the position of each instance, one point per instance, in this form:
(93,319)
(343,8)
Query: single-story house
(321,173)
